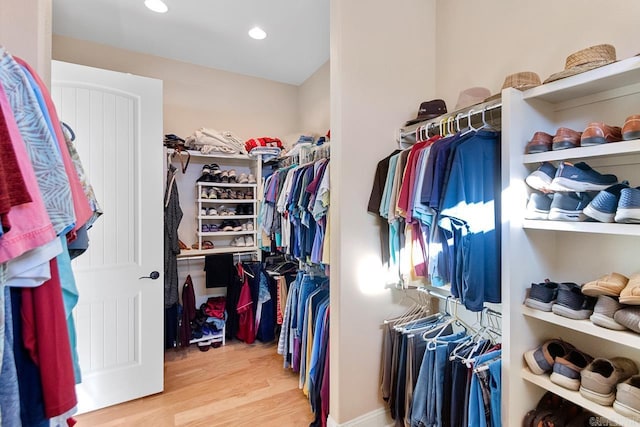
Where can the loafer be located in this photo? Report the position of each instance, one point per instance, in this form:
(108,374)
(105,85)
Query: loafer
(598,133)
(539,143)
(541,359)
(631,128)
(599,379)
(566,369)
(627,401)
(566,138)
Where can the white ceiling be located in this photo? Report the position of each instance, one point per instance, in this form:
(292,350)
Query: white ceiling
(211,33)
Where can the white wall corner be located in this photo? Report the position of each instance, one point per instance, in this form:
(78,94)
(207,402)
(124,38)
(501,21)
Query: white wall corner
(377,418)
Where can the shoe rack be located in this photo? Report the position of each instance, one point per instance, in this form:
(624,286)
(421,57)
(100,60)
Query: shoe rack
(533,250)
(230,204)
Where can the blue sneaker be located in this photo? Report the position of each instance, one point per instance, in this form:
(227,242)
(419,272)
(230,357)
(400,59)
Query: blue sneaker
(540,179)
(538,206)
(580,177)
(603,207)
(569,206)
(629,206)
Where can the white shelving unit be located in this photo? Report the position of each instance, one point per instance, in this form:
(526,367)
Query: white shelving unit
(222,240)
(563,251)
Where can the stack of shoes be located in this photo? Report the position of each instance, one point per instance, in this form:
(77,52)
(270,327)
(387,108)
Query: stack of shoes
(573,187)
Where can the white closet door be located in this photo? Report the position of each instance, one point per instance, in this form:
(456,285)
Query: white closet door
(117,119)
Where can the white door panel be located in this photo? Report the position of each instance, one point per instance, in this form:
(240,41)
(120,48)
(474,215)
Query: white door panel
(117,119)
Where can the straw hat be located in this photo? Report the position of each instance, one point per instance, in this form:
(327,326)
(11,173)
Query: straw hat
(472,96)
(585,60)
(522,80)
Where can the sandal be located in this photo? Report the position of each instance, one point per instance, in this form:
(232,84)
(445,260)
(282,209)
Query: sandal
(207,244)
(182,246)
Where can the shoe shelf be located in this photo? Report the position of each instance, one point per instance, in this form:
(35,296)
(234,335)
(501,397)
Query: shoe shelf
(611,77)
(196,153)
(215,337)
(605,150)
(190,254)
(227,185)
(627,338)
(607,412)
(226,217)
(226,201)
(226,233)
(583,227)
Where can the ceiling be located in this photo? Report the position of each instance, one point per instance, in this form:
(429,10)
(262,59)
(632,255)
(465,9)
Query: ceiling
(211,33)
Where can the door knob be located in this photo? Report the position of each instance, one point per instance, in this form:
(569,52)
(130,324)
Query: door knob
(153,276)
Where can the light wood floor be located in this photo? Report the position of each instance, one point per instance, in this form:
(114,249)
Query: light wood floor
(234,385)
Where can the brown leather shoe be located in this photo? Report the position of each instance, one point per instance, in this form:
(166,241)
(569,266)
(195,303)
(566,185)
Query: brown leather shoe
(566,138)
(631,128)
(599,133)
(540,142)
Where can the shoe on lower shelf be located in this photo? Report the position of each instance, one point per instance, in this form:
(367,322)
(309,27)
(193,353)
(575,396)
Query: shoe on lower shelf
(627,401)
(566,369)
(603,207)
(538,205)
(599,379)
(629,317)
(569,206)
(541,359)
(629,206)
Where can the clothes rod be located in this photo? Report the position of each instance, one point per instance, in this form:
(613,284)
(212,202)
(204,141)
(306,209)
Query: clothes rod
(454,115)
(449,298)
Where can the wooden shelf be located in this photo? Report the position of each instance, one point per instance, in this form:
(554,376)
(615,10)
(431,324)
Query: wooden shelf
(627,338)
(201,253)
(226,217)
(610,77)
(605,150)
(226,233)
(607,412)
(227,184)
(583,227)
(196,153)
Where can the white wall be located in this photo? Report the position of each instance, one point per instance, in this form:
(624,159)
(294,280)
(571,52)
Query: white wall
(381,68)
(480,42)
(196,96)
(25,31)
(313,102)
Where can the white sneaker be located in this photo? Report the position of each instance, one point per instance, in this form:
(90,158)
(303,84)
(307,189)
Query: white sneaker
(251,179)
(248,241)
(249,225)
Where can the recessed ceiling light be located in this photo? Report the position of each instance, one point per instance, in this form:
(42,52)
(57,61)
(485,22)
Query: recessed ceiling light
(156,5)
(257,33)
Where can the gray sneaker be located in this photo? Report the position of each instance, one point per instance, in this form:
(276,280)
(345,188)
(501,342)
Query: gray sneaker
(569,206)
(604,311)
(599,379)
(627,401)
